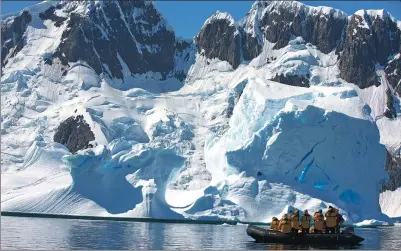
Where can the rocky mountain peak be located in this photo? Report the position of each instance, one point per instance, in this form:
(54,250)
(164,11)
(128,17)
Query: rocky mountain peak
(116,38)
(121,39)
(12,30)
(216,17)
(219,38)
(373,14)
(120,33)
(371,37)
(276,22)
(366,38)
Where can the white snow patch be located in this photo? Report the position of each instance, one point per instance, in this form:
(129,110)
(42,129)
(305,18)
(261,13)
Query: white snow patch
(371,223)
(390,202)
(390,132)
(220,16)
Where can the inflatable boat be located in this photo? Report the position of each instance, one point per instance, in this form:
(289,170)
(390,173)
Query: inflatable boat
(346,237)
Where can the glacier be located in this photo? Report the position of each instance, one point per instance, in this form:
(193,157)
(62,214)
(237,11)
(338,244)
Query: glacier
(224,145)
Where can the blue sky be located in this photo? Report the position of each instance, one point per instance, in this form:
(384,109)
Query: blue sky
(187,17)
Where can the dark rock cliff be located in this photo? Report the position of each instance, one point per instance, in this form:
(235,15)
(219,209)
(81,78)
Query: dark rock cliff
(294,80)
(393,167)
(49,14)
(12,35)
(251,47)
(369,40)
(393,71)
(118,34)
(126,37)
(390,111)
(288,19)
(74,133)
(220,39)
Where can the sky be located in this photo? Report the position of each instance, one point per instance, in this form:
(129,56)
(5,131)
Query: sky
(187,17)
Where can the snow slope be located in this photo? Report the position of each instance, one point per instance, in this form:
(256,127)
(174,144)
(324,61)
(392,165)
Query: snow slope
(229,144)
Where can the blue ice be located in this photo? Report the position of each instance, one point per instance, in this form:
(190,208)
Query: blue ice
(350,196)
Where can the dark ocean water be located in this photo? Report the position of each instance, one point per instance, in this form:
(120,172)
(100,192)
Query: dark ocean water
(40,233)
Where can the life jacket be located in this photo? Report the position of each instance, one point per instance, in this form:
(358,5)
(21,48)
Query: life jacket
(295,220)
(331,218)
(319,221)
(274,224)
(284,225)
(305,221)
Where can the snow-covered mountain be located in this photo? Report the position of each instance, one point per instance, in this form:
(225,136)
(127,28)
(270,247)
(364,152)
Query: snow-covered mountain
(106,112)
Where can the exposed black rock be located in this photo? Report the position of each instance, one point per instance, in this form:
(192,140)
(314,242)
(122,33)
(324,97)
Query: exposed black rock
(77,43)
(180,75)
(390,111)
(220,39)
(367,41)
(393,71)
(294,80)
(279,31)
(181,45)
(279,25)
(74,133)
(12,35)
(393,167)
(359,48)
(132,33)
(50,14)
(387,38)
(251,48)
(111,34)
(357,60)
(282,23)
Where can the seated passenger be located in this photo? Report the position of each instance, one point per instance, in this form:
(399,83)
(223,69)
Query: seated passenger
(305,222)
(285,225)
(319,221)
(331,219)
(274,224)
(295,221)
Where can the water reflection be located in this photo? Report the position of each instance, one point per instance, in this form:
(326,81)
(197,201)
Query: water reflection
(34,233)
(390,237)
(86,234)
(277,246)
(19,233)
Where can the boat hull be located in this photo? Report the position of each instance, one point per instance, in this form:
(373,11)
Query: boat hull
(271,236)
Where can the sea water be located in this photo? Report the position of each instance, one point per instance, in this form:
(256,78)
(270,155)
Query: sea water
(41,233)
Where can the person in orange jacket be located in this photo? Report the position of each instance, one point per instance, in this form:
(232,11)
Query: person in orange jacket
(295,221)
(305,222)
(331,219)
(319,221)
(285,225)
(274,224)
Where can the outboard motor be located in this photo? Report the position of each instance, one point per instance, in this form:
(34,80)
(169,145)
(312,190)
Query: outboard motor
(348,230)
